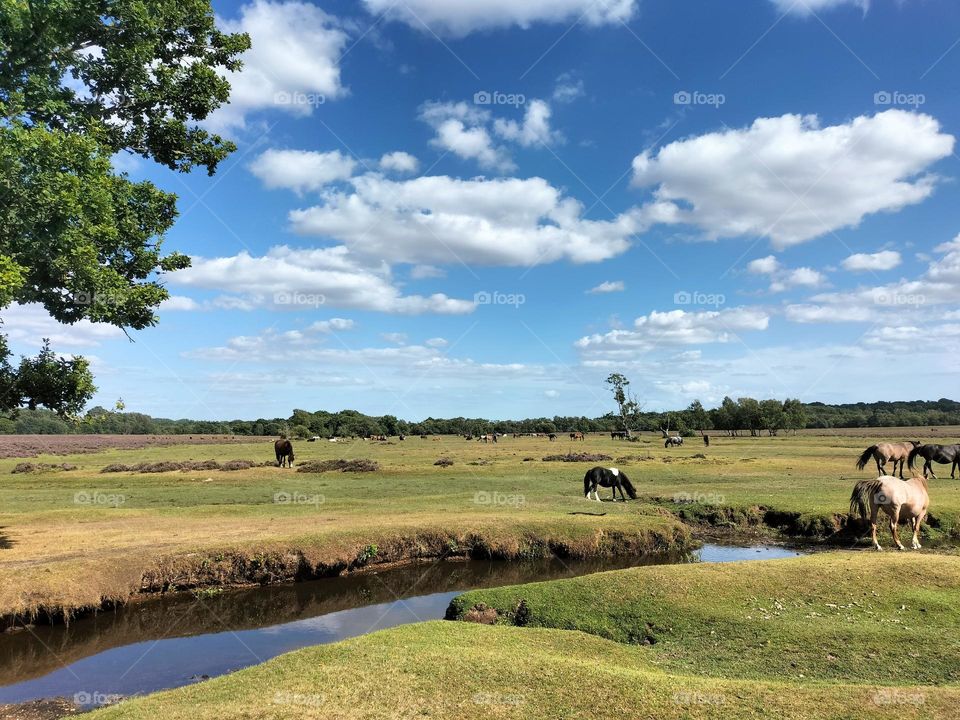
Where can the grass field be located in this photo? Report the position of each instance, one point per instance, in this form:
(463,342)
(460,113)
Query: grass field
(70,539)
(834,635)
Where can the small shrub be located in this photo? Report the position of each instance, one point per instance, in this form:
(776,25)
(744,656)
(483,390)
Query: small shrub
(577,457)
(481,614)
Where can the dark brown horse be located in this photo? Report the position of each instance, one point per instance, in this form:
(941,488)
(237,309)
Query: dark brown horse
(284,450)
(576,435)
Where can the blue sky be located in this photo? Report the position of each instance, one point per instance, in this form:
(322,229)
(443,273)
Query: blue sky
(453,207)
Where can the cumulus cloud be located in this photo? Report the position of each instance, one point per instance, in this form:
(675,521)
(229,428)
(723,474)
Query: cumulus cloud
(789,179)
(304,279)
(332,325)
(400,162)
(292,65)
(439,219)
(533,130)
(461,17)
(806,313)
(860,262)
(782,278)
(568,88)
(676,327)
(178,303)
(28,324)
(608,286)
(395,338)
(302,170)
(764,266)
(461,129)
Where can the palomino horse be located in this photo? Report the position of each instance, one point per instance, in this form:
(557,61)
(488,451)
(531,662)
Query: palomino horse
(576,435)
(899,499)
(284,450)
(674,440)
(943,454)
(607,477)
(882,452)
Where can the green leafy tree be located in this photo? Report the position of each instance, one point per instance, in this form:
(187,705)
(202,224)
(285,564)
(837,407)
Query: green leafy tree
(795,414)
(627,404)
(697,418)
(81,80)
(54,382)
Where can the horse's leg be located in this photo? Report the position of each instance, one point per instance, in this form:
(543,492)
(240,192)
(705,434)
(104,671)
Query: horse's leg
(880,465)
(916,530)
(915,525)
(932,473)
(873,525)
(901,467)
(894,526)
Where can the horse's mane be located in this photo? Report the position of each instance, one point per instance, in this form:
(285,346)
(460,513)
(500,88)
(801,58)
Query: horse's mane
(921,479)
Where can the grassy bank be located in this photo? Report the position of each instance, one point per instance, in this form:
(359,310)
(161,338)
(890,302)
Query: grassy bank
(75,538)
(828,636)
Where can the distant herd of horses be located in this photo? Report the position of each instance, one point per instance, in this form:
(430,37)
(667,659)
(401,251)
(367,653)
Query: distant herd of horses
(904,500)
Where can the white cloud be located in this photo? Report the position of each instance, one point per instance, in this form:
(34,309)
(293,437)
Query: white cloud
(177,303)
(552,394)
(764,266)
(437,342)
(803,313)
(395,338)
(799,277)
(568,88)
(461,17)
(332,325)
(400,162)
(439,219)
(309,279)
(807,7)
(676,327)
(423,272)
(534,130)
(461,129)
(302,170)
(789,179)
(292,65)
(27,325)
(884,260)
(608,286)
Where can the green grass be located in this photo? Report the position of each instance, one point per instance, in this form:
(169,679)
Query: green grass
(849,640)
(209,528)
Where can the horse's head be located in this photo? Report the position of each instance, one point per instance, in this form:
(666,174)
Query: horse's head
(915,443)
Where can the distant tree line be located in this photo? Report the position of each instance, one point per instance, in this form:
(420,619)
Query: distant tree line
(743,416)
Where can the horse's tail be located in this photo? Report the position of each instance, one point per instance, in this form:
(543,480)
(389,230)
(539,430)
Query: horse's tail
(628,486)
(860,497)
(913,456)
(586,483)
(865,457)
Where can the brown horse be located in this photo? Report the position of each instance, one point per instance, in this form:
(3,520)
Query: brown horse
(284,451)
(576,435)
(883,452)
(899,499)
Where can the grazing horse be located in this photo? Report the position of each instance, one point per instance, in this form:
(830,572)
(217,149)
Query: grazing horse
(552,436)
(882,452)
(284,450)
(576,435)
(610,478)
(899,499)
(673,440)
(488,438)
(944,454)
(618,435)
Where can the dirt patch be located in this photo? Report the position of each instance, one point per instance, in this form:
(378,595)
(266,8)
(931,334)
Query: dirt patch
(25,446)
(481,614)
(480,462)
(185,466)
(319,466)
(444,462)
(634,458)
(28,467)
(39,710)
(577,457)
